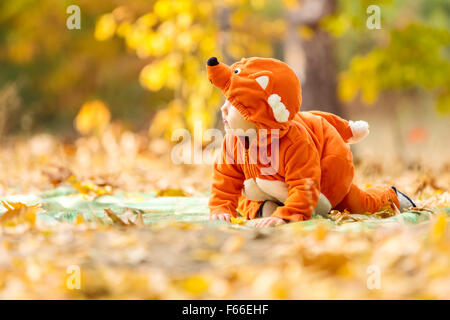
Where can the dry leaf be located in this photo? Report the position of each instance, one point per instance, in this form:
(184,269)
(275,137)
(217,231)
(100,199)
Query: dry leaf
(88,189)
(196,284)
(79,219)
(394,207)
(342,217)
(93,117)
(125,219)
(171,193)
(139,221)
(116,219)
(239,221)
(438,227)
(18,213)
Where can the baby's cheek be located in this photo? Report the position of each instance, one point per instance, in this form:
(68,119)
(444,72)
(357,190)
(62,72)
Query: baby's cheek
(237,121)
(234,114)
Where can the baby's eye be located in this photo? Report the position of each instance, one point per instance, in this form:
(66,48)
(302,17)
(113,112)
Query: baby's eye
(237,70)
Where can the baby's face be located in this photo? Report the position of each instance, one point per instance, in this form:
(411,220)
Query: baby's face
(233,121)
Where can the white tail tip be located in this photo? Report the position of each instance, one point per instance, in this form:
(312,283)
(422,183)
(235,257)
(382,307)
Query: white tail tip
(360,130)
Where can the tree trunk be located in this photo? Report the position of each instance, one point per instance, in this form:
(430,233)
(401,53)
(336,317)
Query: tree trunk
(313,59)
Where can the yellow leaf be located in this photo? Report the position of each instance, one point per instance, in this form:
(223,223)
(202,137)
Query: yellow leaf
(105,27)
(93,117)
(438,227)
(290,4)
(79,219)
(207,46)
(154,76)
(347,87)
(258,4)
(87,188)
(18,213)
(148,20)
(321,231)
(369,92)
(337,25)
(171,193)
(280,291)
(163,9)
(184,20)
(238,221)
(196,284)
(124,29)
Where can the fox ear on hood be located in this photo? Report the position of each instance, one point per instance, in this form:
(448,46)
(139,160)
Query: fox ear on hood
(264,79)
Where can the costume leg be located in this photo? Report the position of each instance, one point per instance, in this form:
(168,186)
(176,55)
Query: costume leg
(369,200)
(248,208)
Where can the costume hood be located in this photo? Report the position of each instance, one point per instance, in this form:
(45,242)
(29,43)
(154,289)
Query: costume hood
(266,91)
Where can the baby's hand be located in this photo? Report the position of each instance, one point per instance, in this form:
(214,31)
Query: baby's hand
(221,216)
(268,222)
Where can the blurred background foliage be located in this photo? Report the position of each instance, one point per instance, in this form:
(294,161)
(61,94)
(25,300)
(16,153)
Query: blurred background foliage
(142,62)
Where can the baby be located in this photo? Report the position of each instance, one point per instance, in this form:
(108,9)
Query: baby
(278,164)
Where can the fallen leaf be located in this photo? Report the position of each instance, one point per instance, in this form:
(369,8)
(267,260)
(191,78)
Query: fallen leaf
(79,219)
(239,221)
(171,193)
(438,227)
(116,219)
(87,188)
(195,284)
(18,213)
(139,221)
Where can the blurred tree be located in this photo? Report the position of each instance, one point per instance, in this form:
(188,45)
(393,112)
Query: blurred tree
(309,49)
(409,51)
(143,57)
(178,37)
(408,54)
(56,70)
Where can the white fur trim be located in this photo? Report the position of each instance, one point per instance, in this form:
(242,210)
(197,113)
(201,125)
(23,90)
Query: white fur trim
(263,81)
(274,188)
(280,112)
(253,192)
(280,191)
(323,206)
(360,129)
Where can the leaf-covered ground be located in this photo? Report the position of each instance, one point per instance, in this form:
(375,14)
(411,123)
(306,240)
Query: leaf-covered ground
(148,244)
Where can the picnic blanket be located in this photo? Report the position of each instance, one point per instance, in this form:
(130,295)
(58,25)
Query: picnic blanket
(64,204)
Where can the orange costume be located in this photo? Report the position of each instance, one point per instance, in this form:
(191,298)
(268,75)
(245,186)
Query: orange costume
(301,159)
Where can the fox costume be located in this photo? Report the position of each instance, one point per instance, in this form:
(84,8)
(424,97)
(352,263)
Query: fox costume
(311,168)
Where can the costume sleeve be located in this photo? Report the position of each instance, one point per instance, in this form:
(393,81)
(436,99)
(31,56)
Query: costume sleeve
(302,174)
(341,125)
(228,180)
